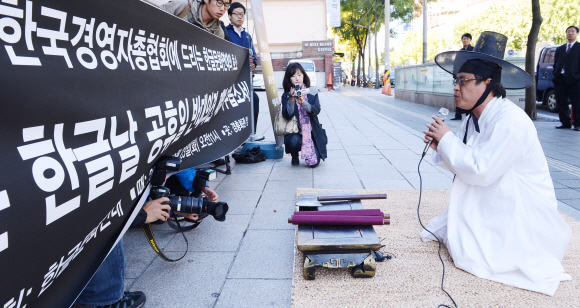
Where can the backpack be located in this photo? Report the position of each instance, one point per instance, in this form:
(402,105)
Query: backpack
(250,156)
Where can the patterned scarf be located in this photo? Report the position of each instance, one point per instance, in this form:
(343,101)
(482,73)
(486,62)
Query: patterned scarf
(307,149)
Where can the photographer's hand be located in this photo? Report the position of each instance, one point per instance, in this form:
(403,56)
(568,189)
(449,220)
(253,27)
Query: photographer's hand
(156,210)
(211,194)
(292,94)
(300,100)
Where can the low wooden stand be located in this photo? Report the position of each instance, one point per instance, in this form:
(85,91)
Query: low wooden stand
(337,246)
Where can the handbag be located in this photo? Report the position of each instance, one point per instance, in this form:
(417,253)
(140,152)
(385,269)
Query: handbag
(284,127)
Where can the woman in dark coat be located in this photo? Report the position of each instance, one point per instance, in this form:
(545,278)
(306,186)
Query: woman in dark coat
(311,139)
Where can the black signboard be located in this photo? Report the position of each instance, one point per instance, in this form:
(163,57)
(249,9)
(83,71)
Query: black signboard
(92,94)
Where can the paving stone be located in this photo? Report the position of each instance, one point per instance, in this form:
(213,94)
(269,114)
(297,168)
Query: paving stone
(557,175)
(566,193)
(337,180)
(273,214)
(244,182)
(430,180)
(382,183)
(284,190)
(361,149)
(377,160)
(407,165)
(261,167)
(139,253)
(213,235)
(265,254)
(331,165)
(400,154)
(253,293)
(239,201)
(568,183)
(196,280)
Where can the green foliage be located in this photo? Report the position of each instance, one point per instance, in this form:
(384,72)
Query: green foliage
(513,18)
(558,15)
(358,21)
(411,51)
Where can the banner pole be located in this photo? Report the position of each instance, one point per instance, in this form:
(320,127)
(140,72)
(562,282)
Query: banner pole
(253,135)
(274,102)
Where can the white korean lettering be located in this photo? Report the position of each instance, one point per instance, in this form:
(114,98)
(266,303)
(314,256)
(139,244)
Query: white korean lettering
(100,146)
(100,182)
(53,35)
(130,159)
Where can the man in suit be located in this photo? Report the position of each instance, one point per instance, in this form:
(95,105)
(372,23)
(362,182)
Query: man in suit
(466,40)
(567,79)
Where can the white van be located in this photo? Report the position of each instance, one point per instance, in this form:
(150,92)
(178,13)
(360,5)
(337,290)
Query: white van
(310,69)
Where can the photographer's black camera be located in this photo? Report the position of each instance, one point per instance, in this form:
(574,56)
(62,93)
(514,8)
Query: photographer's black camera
(181,201)
(298,91)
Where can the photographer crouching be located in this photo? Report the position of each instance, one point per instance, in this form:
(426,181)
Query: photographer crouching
(106,287)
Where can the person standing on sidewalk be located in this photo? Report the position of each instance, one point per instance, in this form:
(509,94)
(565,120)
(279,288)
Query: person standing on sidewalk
(567,79)
(204,14)
(311,138)
(502,223)
(466,41)
(240,37)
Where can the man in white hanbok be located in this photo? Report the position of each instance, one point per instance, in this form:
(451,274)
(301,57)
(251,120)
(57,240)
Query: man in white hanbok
(502,222)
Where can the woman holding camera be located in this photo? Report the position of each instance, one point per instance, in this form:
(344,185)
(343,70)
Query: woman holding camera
(311,138)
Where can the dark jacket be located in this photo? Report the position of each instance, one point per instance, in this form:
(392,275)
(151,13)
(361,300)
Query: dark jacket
(245,40)
(570,62)
(469,48)
(226,35)
(313,109)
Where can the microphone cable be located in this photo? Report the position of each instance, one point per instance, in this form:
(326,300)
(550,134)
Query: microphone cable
(439,241)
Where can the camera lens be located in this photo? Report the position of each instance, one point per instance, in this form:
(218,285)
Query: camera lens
(217,210)
(185,204)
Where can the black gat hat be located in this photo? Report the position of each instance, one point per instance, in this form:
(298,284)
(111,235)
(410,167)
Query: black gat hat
(490,47)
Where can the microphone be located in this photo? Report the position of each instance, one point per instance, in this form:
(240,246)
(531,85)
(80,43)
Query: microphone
(443,112)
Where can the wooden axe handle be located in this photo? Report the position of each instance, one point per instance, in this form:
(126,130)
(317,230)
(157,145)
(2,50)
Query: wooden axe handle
(352,197)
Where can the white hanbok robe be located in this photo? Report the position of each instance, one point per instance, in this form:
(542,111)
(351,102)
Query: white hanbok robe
(502,222)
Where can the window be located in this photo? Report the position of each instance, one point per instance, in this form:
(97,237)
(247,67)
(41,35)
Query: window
(549,56)
(309,67)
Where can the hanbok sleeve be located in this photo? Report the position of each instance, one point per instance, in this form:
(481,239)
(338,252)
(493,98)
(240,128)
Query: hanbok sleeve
(485,162)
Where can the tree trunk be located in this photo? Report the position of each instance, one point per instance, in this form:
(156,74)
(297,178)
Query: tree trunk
(363,57)
(358,71)
(377,79)
(530,107)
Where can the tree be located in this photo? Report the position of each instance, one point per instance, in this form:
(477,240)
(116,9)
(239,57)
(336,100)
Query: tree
(358,20)
(559,15)
(411,51)
(513,18)
(530,57)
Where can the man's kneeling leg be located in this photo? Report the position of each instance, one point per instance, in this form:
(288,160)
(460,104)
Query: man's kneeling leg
(106,287)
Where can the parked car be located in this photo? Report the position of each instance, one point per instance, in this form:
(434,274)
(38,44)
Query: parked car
(544,75)
(258,82)
(310,69)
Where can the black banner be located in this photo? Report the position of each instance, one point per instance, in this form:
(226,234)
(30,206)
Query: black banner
(92,94)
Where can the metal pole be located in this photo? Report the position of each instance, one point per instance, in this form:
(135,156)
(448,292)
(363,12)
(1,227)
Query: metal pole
(253,135)
(424,31)
(387,34)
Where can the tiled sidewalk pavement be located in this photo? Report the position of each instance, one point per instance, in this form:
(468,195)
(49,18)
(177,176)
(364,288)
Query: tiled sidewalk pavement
(246,261)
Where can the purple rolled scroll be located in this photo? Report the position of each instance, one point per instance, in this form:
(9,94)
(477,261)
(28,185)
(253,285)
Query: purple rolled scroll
(365,212)
(337,220)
